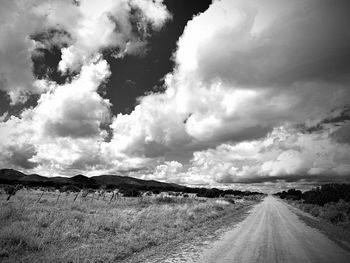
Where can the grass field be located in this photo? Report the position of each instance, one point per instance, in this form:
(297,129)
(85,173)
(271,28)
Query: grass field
(96,230)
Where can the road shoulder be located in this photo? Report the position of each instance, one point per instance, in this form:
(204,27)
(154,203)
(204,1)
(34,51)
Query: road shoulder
(335,233)
(189,245)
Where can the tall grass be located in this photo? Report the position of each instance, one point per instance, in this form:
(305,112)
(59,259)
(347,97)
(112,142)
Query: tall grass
(95,230)
(336,213)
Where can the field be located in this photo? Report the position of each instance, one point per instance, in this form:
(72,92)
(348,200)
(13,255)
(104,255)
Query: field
(91,229)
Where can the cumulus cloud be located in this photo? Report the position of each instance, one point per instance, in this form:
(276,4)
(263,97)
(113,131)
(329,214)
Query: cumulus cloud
(262,64)
(74,109)
(89,27)
(240,72)
(16,46)
(64,126)
(244,68)
(121,25)
(66,131)
(250,99)
(267,43)
(285,154)
(163,171)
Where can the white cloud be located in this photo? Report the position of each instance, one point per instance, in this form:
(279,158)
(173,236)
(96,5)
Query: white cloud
(285,152)
(167,170)
(16,78)
(242,69)
(109,25)
(64,132)
(75,109)
(90,28)
(65,125)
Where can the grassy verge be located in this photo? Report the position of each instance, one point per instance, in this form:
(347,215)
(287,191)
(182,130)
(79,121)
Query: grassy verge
(98,230)
(190,243)
(319,217)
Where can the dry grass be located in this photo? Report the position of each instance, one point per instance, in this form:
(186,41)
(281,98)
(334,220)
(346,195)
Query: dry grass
(94,230)
(326,219)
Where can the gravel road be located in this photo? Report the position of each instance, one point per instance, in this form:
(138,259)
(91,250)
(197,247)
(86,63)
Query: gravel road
(272,233)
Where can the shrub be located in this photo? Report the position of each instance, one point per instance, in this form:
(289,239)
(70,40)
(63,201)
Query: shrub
(315,211)
(155,191)
(84,193)
(131,192)
(165,200)
(209,193)
(333,215)
(11,190)
(230,200)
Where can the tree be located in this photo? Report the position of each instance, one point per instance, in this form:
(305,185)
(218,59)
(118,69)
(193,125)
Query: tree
(132,192)
(11,190)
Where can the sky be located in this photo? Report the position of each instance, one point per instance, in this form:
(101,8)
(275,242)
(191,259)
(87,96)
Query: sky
(245,94)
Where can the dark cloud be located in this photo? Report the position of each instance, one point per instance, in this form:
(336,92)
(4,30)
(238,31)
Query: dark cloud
(342,135)
(306,178)
(20,155)
(310,43)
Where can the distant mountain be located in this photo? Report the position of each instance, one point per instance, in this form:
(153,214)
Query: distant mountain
(126,180)
(33,178)
(11,176)
(82,179)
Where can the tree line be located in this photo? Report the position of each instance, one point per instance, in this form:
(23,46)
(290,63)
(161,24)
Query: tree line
(322,195)
(125,189)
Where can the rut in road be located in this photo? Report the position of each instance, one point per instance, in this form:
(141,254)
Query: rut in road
(272,233)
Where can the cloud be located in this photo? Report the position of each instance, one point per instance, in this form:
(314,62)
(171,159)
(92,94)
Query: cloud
(66,131)
(80,30)
(269,43)
(64,126)
(120,25)
(240,72)
(75,109)
(16,78)
(242,69)
(163,171)
(285,155)
(63,134)
(262,64)
(257,94)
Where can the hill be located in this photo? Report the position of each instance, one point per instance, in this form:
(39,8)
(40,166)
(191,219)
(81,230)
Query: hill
(131,181)
(10,176)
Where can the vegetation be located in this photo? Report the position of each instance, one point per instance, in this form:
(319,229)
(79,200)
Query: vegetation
(11,190)
(94,229)
(330,202)
(129,186)
(131,192)
(320,195)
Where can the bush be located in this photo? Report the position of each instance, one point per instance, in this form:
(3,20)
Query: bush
(315,211)
(230,200)
(209,193)
(333,215)
(131,193)
(165,200)
(156,191)
(11,190)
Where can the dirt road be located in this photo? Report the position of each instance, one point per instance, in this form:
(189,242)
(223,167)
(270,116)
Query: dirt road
(272,233)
